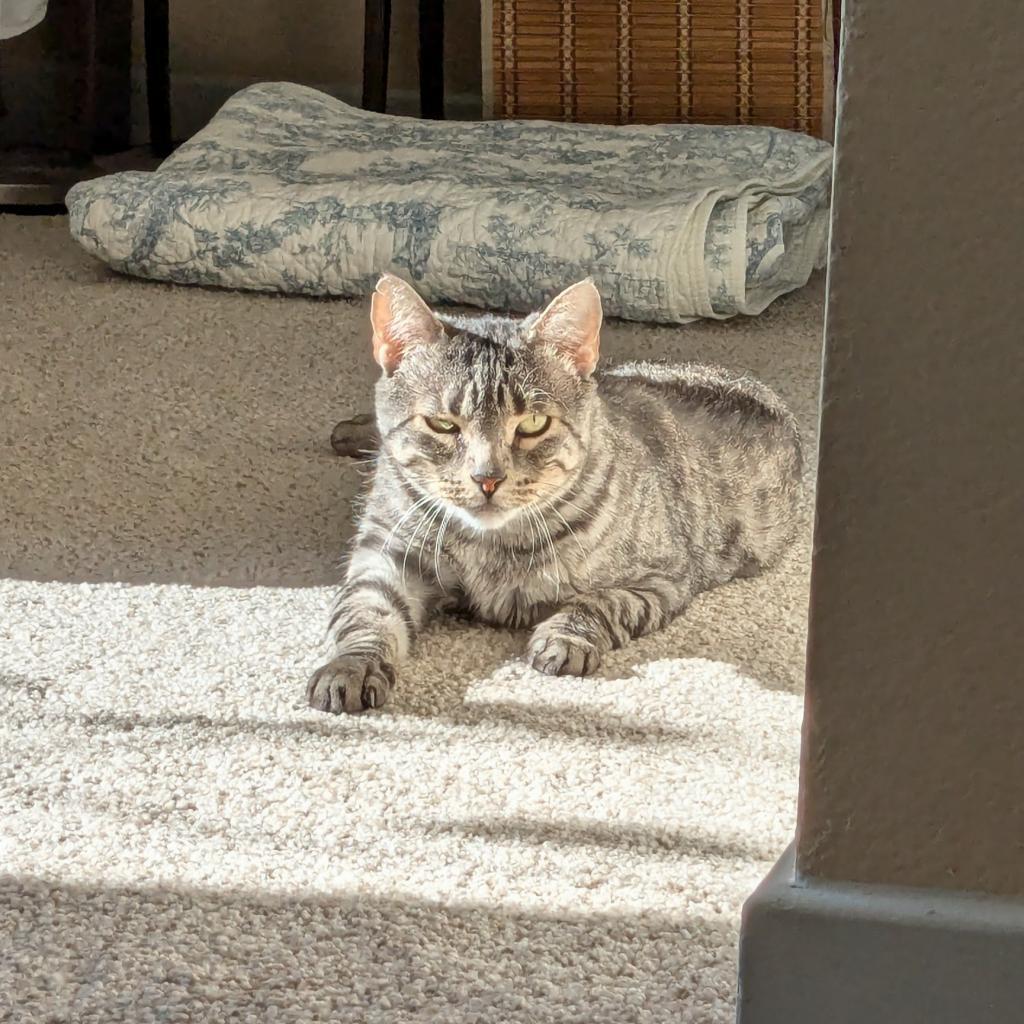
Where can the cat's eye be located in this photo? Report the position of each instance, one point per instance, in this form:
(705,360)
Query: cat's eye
(533,425)
(440,426)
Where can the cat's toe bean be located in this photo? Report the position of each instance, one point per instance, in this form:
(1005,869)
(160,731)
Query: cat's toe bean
(563,656)
(351,685)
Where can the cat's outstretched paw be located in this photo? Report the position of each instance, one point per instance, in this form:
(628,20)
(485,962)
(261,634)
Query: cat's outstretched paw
(350,683)
(556,654)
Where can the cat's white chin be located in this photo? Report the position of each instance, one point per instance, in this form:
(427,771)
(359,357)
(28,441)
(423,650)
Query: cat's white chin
(488,517)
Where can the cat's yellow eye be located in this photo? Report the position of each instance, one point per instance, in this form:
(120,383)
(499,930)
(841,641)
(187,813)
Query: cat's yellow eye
(441,426)
(533,425)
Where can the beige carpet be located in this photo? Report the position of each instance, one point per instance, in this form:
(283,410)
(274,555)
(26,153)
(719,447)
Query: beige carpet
(183,841)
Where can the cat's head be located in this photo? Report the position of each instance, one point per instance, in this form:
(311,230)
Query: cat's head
(488,416)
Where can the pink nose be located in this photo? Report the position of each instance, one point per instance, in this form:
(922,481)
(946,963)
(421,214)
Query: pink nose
(488,484)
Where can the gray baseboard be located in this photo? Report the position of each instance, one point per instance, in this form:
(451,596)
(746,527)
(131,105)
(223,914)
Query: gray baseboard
(838,953)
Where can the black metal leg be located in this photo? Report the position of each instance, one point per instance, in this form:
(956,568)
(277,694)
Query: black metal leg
(376,50)
(87,100)
(156,29)
(108,26)
(432,59)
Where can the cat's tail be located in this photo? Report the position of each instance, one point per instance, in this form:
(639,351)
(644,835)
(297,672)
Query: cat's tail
(356,437)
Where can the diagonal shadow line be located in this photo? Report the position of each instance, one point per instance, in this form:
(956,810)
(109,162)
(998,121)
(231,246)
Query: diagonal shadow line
(114,721)
(644,840)
(548,722)
(564,722)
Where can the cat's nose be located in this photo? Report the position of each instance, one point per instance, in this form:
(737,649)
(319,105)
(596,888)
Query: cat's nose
(488,481)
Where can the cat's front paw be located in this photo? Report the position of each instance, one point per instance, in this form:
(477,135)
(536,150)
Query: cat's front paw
(556,654)
(351,683)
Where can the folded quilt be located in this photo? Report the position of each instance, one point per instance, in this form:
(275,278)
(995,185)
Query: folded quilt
(288,189)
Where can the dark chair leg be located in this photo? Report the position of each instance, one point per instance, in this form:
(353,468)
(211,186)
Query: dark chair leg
(432,59)
(87,100)
(110,26)
(376,50)
(156,29)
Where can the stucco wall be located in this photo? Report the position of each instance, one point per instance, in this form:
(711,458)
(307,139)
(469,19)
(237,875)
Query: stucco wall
(913,768)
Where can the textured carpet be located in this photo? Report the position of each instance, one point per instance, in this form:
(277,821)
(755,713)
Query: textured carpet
(183,841)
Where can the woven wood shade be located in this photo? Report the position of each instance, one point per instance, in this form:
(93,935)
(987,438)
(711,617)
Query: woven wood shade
(653,61)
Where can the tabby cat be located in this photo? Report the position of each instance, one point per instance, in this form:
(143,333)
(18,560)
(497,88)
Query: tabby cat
(517,483)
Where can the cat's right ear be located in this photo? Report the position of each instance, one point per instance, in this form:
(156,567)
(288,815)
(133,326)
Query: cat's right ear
(400,319)
(571,324)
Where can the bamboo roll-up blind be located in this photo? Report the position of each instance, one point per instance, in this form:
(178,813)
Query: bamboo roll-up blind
(650,61)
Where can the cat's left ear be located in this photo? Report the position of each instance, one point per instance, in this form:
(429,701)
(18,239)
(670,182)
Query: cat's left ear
(400,319)
(571,323)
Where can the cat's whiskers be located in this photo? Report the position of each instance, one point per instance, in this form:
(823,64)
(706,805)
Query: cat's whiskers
(533,538)
(550,498)
(367,462)
(424,519)
(436,512)
(418,503)
(437,548)
(579,544)
(579,509)
(545,533)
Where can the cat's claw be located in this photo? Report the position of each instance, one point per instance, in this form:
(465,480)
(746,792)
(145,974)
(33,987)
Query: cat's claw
(350,684)
(561,655)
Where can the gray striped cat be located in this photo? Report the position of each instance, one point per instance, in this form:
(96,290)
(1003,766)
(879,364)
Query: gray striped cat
(517,483)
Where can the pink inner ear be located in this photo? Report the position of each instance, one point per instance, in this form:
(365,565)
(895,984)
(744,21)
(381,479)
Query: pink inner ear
(586,356)
(572,323)
(385,352)
(400,319)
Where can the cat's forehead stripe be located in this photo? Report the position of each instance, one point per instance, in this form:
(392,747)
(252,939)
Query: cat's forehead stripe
(493,383)
(455,399)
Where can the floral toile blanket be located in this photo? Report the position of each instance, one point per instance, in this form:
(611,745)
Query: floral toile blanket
(288,189)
